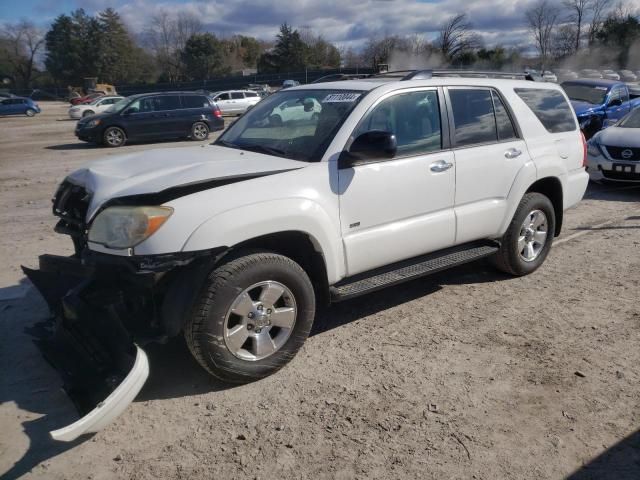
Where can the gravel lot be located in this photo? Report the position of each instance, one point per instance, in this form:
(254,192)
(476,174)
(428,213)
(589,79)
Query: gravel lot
(466,374)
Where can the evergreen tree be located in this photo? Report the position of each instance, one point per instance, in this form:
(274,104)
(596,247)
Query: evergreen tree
(202,56)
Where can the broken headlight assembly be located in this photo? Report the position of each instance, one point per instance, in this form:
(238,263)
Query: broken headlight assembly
(126,227)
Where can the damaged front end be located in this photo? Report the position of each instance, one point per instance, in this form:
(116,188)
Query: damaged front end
(104,309)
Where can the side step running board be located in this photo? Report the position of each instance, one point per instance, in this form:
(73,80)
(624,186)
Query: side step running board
(410,269)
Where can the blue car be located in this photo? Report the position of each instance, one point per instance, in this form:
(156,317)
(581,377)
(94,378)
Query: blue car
(598,103)
(19,106)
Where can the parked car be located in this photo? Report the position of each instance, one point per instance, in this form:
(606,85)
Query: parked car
(19,106)
(564,74)
(614,153)
(595,101)
(86,99)
(99,105)
(234,244)
(152,116)
(590,73)
(549,76)
(235,102)
(610,75)
(295,110)
(628,76)
(290,83)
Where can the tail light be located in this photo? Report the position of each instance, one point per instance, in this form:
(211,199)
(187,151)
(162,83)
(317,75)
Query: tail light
(584,150)
(218,114)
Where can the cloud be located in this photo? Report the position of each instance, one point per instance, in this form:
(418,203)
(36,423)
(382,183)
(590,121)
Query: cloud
(347,23)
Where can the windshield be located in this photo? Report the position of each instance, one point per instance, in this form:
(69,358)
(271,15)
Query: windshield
(632,120)
(585,93)
(119,105)
(297,124)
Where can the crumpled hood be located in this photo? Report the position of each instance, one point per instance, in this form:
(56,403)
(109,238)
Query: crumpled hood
(153,171)
(619,137)
(584,108)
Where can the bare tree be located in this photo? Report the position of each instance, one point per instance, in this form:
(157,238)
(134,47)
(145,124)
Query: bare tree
(579,10)
(167,35)
(542,19)
(564,41)
(598,10)
(24,41)
(456,37)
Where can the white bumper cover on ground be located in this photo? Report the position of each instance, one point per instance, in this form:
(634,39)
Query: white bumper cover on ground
(112,406)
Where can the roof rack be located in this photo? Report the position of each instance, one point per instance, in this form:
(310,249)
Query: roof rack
(427,74)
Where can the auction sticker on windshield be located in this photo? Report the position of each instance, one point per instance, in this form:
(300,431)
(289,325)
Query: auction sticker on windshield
(341,97)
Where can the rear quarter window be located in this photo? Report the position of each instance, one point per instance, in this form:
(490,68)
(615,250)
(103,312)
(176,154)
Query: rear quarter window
(550,107)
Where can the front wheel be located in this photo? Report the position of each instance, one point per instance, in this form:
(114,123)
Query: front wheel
(114,137)
(199,131)
(253,315)
(86,113)
(30,112)
(528,239)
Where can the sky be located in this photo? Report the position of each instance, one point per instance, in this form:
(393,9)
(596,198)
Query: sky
(348,23)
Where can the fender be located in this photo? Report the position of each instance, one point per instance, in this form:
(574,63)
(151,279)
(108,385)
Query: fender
(524,179)
(291,214)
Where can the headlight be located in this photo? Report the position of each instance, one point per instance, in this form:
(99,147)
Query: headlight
(93,123)
(593,148)
(126,227)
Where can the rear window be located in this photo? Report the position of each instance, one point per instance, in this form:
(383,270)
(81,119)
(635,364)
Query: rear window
(550,107)
(195,101)
(236,95)
(250,94)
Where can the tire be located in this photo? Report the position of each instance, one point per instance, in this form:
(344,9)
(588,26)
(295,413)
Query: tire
(114,137)
(523,248)
(199,131)
(30,112)
(222,311)
(86,113)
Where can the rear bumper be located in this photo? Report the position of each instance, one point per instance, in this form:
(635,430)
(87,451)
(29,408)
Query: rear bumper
(576,186)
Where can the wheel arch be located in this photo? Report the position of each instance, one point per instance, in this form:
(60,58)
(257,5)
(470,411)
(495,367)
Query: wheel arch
(551,187)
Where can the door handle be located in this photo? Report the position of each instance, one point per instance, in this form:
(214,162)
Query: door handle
(440,166)
(513,153)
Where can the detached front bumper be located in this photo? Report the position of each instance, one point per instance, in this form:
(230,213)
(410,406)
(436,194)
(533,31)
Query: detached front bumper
(105,308)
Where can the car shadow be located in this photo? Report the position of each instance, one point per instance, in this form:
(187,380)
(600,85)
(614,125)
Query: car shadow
(73,146)
(619,462)
(86,145)
(29,388)
(608,191)
(35,388)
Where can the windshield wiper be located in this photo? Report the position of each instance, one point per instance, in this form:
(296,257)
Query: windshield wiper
(262,149)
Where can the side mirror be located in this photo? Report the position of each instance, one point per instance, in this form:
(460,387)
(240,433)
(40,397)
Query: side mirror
(615,102)
(373,145)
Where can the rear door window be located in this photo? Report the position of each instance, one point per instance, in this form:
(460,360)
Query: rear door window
(250,94)
(506,130)
(195,101)
(473,116)
(550,107)
(237,95)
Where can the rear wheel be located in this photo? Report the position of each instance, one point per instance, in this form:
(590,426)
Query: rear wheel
(253,315)
(199,131)
(528,239)
(114,137)
(30,112)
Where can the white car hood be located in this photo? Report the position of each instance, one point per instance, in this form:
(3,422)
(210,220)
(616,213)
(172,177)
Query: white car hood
(153,171)
(620,137)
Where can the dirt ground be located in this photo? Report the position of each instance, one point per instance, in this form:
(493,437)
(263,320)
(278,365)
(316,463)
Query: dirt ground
(466,374)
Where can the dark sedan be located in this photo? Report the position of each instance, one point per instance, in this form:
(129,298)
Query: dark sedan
(153,116)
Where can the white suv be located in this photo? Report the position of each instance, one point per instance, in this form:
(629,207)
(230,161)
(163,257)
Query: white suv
(236,243)
(235,102)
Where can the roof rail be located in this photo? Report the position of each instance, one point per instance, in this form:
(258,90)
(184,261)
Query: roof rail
(426,74)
